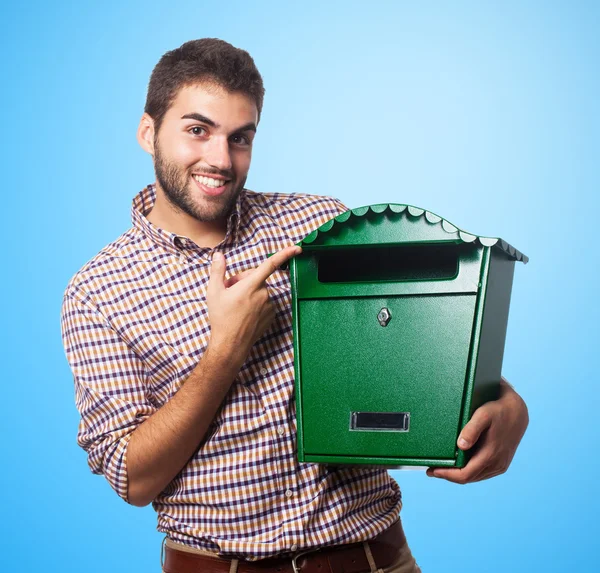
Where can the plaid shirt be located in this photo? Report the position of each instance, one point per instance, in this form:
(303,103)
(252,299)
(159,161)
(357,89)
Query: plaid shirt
(135,324)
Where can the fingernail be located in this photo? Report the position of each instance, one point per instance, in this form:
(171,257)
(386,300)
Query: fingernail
(462,443)
(217,256)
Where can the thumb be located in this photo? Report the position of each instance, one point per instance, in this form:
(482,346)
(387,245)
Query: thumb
(479,422)
(217,272)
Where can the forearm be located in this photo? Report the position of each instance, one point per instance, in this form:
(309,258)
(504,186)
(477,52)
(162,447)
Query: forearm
(161,446)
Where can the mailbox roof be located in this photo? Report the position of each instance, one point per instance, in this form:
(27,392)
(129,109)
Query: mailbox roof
(442,229)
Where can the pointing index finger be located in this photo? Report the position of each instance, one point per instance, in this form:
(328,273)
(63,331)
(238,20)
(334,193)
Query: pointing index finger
(268,267)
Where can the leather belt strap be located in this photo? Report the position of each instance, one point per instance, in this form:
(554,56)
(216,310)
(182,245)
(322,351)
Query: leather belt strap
(337,559)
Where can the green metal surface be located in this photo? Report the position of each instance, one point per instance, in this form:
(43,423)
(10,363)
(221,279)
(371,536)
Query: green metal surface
(431,363)
(370,225)
(466,279)
(399,368)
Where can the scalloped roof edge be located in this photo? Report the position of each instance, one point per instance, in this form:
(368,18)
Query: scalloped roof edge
(416,212)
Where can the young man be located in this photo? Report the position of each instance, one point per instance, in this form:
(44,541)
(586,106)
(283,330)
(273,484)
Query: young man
(180,340)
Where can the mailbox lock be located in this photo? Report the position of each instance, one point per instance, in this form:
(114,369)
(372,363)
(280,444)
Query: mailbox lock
(384,316)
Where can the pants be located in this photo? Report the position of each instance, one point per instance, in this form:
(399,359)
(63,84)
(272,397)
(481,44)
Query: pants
(405,562)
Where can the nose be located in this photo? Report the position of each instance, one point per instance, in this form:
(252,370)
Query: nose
(217,153)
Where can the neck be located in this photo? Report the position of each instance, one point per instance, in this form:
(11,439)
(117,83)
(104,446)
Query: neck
(172,219)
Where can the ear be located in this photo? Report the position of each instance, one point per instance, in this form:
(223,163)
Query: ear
(145,134)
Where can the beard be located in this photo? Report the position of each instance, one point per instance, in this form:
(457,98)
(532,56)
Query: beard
(177,183)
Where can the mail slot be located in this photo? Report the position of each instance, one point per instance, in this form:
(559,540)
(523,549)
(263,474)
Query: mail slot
(399,328)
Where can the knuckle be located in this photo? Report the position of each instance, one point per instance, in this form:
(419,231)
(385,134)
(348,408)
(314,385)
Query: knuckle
(485,418)
(467,476)
(272,264)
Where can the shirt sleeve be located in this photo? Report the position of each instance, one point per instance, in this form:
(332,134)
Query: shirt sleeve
(110,388)
(338,205)
(327,208)
(324,210)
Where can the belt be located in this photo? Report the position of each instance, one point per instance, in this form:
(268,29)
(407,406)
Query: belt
(351,558)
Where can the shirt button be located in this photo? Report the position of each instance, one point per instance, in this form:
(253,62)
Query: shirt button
(289,493)
(182,259)
(293,547)
(263,371)
(281,430)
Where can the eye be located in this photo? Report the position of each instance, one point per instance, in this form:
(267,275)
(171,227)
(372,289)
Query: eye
(197,130)
(240,139)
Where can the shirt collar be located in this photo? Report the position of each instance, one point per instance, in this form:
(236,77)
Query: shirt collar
(143,203)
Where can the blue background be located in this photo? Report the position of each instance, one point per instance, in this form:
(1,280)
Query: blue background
(486,113)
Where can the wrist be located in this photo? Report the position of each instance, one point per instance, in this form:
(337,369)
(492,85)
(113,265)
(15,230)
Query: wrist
(226,357)
(506,389)
(510,396)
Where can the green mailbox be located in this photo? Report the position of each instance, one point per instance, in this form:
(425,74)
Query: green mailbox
(399,328)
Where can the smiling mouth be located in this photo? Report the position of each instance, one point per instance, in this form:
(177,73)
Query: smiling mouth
(210,181)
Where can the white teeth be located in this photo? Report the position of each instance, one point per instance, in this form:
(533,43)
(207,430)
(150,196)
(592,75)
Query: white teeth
(209,181)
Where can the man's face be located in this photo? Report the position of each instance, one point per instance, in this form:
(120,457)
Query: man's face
(203,148)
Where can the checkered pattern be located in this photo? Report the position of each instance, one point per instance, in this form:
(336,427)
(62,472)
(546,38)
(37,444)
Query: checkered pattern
(135,324)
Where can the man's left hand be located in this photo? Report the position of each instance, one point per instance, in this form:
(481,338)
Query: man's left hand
(494,432)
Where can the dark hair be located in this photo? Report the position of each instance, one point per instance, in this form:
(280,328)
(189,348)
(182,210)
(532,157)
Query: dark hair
(209,59)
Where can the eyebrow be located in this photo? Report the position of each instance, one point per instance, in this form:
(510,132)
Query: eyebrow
(251,126)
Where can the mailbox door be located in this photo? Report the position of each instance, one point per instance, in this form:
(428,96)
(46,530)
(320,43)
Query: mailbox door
(412,370)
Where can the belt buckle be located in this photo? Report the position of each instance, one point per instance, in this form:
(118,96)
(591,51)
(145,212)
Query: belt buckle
(295,567)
